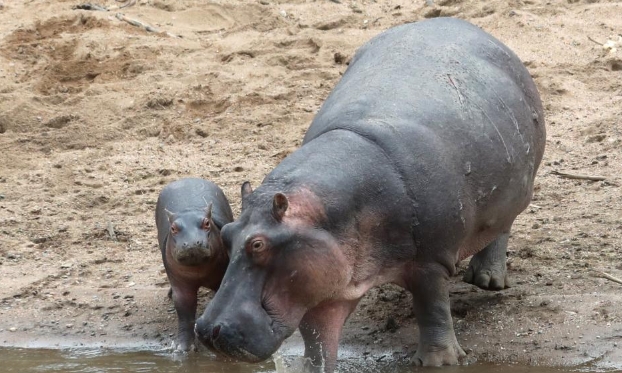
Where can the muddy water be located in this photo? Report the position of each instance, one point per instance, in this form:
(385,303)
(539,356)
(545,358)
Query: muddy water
(113,361)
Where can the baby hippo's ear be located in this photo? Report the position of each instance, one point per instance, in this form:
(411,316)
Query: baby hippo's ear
(170,216)
(279,206)
(208,211)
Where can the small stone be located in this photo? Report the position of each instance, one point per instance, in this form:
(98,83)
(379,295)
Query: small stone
(283,13)
(596,138)
(1,197)
(339,58)
(201,132)
(238,169)
(131,284)
(69,326)
(13,329)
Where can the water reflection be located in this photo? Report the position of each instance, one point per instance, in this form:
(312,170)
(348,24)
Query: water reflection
(91,360)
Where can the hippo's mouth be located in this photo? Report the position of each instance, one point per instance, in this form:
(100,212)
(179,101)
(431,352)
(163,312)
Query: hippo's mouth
(223,348)
(193,256)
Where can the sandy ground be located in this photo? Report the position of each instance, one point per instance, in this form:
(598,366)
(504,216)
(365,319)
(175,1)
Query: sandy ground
(96,115)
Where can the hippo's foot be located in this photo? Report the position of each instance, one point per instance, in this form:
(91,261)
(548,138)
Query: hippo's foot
(487,268)
(183,347)
(435,355)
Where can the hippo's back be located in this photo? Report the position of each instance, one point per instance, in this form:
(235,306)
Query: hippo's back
(456,113)
(442,80)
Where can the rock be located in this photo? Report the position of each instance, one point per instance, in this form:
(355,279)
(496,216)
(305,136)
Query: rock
(13,329)
(339,58)
(596,138)
(433,13)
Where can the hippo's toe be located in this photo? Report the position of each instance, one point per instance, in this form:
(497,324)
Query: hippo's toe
(434,356)
(487,268)
(485,278)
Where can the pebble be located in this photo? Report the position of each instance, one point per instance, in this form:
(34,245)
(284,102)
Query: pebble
(13,329)
(283,13)
(69,326)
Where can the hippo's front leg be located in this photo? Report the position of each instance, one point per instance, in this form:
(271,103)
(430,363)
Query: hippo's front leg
(185,301)
(437,339)
(321,329)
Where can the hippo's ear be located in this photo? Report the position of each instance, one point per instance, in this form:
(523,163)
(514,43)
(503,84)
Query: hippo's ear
(279,205)
(208,211)
(170,216)
(246,191)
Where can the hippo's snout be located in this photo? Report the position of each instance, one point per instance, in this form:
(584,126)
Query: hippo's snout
(225,339)
(192,253)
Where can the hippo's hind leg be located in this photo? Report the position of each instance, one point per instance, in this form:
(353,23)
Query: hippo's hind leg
(438,345)
(487,268)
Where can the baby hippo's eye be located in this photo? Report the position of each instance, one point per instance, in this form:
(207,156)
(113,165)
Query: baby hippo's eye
(205,225)
(174,229)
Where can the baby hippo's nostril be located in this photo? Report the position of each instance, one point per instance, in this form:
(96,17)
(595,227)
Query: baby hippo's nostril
(215,332)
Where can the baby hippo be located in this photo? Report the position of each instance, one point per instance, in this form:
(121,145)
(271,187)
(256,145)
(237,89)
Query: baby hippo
(189,215)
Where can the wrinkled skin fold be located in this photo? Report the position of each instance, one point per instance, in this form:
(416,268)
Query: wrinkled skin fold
(423,155)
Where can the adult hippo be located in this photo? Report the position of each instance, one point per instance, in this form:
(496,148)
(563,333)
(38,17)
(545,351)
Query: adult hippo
(423,155)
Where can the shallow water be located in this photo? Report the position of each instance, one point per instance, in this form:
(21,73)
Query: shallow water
(87,360)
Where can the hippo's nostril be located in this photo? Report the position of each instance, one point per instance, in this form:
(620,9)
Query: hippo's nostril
(215,332)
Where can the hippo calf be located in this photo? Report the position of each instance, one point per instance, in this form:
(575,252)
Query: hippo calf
(189,215)
(423,155)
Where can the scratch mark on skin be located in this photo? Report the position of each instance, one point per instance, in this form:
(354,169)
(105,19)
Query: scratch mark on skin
(510,114)
(460,98)
(509,157)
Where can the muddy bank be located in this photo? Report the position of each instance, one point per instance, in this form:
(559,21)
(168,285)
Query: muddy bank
(96,115)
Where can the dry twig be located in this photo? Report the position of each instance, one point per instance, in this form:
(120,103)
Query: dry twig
(578,177)
(133,22)
(594,41)
(89,6)
(608,277)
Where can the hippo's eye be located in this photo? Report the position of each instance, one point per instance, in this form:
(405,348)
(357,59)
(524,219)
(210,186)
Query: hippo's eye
(205,225)
(174,228)
(258,245)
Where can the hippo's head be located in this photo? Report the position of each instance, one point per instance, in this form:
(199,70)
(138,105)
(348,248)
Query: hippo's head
(194,238)
(282,263)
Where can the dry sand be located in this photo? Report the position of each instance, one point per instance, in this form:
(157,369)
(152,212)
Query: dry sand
(96,115)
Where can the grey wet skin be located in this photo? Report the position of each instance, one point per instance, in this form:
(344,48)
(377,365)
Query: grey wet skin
(189,215)
(423,155)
